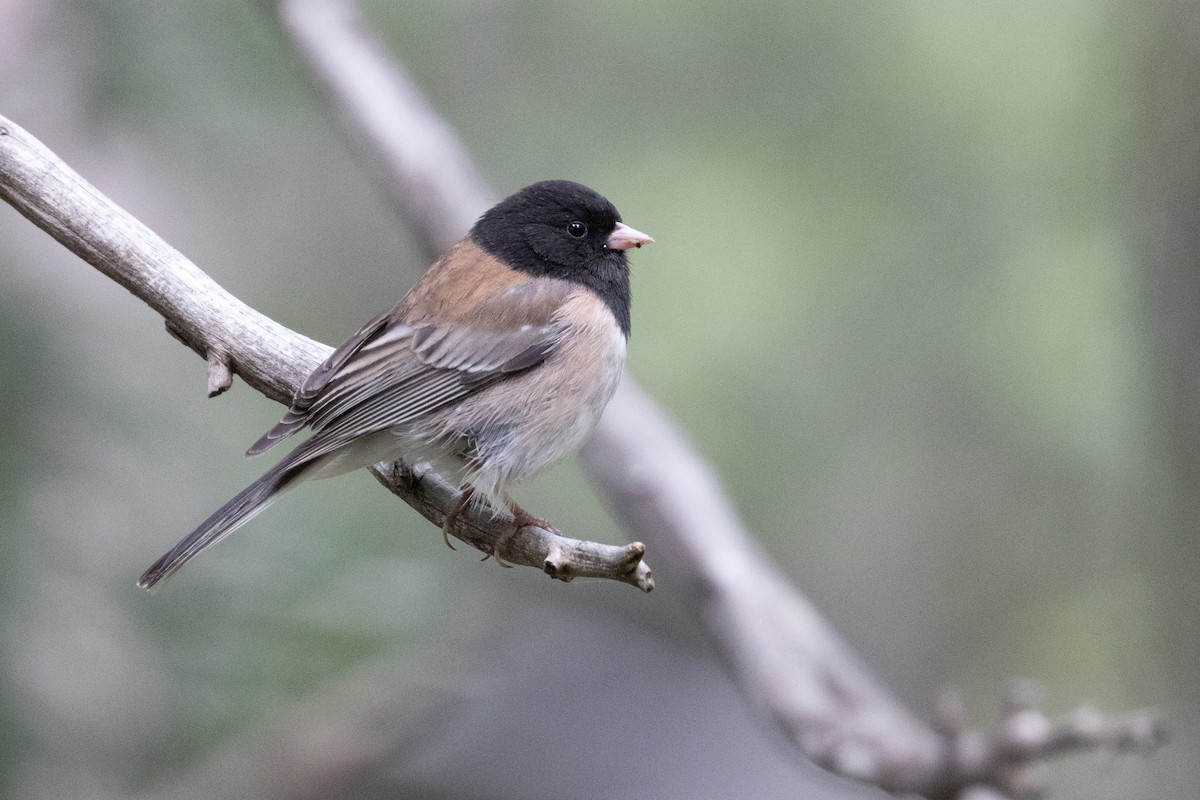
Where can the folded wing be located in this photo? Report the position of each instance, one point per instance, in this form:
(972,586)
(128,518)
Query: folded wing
(392,372)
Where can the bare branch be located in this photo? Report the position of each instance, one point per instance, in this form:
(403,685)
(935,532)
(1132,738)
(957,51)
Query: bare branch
(415,156)
(199,313)
(791,665)
(1005,765)
(232,337)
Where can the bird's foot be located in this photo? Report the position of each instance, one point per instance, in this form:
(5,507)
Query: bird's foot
(521,519)
(454,514)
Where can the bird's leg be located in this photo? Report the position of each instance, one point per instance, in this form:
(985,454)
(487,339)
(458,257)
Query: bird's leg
(521,519)
(524,519)
(451,518)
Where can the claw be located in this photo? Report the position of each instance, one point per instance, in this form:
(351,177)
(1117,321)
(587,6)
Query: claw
(454,514)
(521,519)
(496,550)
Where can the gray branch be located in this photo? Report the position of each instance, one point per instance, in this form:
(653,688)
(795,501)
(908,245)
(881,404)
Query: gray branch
(790,664)
(414,155)
(234,338)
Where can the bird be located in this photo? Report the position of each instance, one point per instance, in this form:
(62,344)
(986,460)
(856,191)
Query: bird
(496,363)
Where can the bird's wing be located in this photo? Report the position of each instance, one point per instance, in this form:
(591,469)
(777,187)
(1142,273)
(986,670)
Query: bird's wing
(393,371)
(297,414)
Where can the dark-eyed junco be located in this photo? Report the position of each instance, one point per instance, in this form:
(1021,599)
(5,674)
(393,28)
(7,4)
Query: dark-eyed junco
(495,364)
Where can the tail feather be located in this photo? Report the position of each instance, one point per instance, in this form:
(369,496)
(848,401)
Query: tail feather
(225,520)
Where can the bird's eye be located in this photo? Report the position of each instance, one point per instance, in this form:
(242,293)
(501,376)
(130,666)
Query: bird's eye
(577,229)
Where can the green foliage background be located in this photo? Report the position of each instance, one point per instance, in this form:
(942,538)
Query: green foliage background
(898,298)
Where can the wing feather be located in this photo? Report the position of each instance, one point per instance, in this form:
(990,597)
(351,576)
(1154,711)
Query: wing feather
(296,416)
(392,372)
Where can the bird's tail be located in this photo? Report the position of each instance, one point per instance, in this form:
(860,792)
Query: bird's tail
(248,503)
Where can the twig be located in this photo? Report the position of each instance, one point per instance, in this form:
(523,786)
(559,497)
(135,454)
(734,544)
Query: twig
(1005,764)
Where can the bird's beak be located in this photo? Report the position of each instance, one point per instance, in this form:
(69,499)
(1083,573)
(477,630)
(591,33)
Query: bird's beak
(625,238)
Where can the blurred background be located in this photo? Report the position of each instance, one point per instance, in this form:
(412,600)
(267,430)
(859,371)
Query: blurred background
(925,290)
